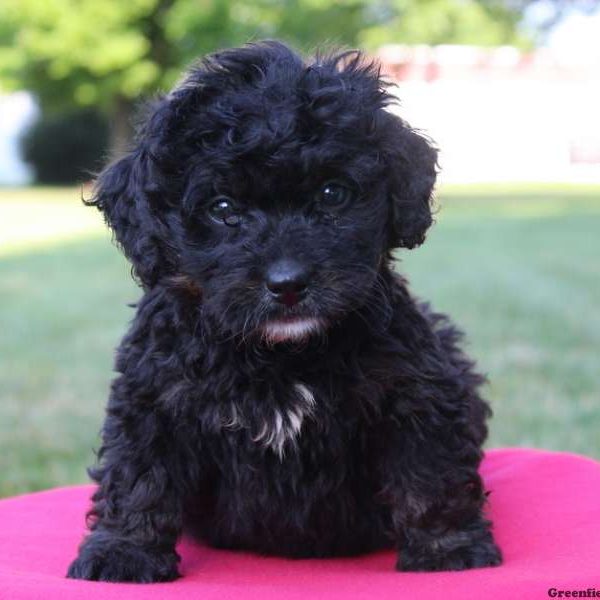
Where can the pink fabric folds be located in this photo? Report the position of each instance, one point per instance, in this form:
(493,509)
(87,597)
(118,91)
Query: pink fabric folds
(545,507)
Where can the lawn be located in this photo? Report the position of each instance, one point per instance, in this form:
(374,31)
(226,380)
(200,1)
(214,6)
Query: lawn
(517,266)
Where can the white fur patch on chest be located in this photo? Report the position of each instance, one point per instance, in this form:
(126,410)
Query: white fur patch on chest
(284,426)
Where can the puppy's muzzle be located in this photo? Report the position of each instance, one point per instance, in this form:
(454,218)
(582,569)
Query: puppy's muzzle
(287,281)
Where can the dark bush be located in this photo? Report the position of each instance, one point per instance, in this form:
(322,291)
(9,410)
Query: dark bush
(65,148)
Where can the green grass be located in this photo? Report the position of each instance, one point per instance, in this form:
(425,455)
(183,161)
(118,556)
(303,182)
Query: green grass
(516,266)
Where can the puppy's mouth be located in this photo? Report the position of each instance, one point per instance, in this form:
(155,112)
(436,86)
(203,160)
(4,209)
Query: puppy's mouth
(291,329)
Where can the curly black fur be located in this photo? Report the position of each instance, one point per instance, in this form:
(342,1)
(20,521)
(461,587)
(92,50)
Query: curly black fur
(335,423)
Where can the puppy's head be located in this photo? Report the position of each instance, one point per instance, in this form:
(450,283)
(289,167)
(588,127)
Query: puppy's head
(274,187)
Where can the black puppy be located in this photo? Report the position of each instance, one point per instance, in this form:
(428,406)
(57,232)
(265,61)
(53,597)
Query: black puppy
(279,389)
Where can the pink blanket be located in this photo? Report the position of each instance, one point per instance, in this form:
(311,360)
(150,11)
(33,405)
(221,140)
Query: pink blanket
(545,507)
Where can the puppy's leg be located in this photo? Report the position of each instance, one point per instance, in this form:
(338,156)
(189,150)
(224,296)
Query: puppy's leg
(136,516)
(437,500)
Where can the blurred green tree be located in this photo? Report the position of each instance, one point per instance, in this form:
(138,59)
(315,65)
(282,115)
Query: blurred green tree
(480,23)
(109,53)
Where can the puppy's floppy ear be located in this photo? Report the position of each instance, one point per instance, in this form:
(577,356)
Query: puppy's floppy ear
(125,192)
(412,169)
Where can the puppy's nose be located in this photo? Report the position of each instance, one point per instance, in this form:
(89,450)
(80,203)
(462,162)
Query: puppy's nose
(287,280)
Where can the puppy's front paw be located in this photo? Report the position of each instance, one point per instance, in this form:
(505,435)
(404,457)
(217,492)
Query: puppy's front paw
(122,561)
(448,554)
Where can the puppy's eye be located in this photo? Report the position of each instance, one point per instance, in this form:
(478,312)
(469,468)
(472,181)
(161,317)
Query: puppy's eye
(334,195)
(223,210)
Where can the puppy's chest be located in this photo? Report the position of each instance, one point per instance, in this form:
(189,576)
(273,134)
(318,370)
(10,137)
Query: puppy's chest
(266,416)
(279,415)
(273,418)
